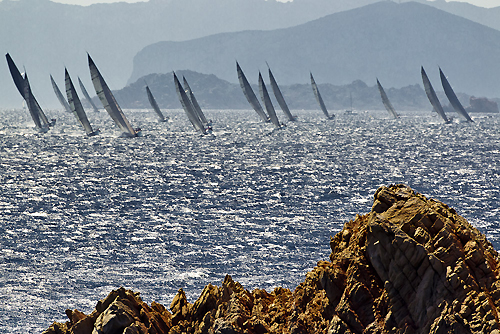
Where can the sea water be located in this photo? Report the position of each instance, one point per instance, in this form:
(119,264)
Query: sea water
(81,216)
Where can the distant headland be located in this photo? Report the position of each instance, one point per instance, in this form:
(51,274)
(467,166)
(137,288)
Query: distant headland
(215,93)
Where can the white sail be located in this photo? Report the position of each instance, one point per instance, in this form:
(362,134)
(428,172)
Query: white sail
(154,105)
(279,96)
(386,101)
(267,102)
(59,95)
(194,102)
(87,96)
(452,97)
(431,95)
(250,95)
(188,106)
(108,100)
(319,98)
(76,105)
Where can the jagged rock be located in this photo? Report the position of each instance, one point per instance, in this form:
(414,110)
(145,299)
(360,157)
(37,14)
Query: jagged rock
(412,265)
(114,319)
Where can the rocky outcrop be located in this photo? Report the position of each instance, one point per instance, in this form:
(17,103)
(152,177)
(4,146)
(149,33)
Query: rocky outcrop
(423,268)
(412,265)
(482,104)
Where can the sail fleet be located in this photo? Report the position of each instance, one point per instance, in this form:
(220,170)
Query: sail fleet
(190,104)
(76,107)
(386,102)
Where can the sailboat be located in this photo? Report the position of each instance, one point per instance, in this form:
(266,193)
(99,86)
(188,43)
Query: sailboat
(319,98)
(452,97)
(109,102)
(34,103)
(22,84)
(279,96)
(76,106)
(196,106)
(267,102)
(59,95)
(16,75)
(431,95)
(41,121)
(153,103)
(188,106)
(87,96)
(350,111)
(250,95)
(386,101)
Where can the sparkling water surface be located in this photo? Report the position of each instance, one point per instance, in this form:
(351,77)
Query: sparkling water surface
(81,216)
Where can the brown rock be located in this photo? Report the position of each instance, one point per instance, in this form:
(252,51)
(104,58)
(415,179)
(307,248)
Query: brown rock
(207,302)
(85,325)
(114,319)
(411,265)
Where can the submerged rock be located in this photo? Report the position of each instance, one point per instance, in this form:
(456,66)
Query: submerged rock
(412,265)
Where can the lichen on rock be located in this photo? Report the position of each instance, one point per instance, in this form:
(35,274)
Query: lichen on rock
(411,265)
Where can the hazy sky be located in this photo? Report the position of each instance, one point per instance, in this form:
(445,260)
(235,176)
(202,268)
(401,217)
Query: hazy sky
(482,3)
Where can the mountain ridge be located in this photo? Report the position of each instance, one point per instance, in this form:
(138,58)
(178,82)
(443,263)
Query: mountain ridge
(46,36)
(386,40)
(37,33)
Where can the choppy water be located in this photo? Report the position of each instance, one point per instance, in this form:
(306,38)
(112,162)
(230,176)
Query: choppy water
(81,216)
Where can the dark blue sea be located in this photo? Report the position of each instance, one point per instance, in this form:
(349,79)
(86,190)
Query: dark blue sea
(81,216)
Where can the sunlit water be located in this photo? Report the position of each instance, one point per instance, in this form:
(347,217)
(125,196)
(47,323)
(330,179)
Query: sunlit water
(82,216)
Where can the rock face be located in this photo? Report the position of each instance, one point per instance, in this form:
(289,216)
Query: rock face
(412,265)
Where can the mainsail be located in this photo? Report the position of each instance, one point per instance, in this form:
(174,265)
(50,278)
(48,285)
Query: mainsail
(279,96)
(431,94)
(87,96)
(108,100)
(386,101)
(16,75)
(41,123)
(250,95)
(188,106)
(452,97)
(33,104)
(153,103)
(267,102)
(23,86)
(59,95)
(319,98)
(194,102)
(76,105)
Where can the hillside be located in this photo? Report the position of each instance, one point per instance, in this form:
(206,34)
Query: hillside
(385,40)
(211,92)
(214,93)
(486,16)
(46,36)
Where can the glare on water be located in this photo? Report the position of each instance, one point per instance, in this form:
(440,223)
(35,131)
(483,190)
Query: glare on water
(80,215)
